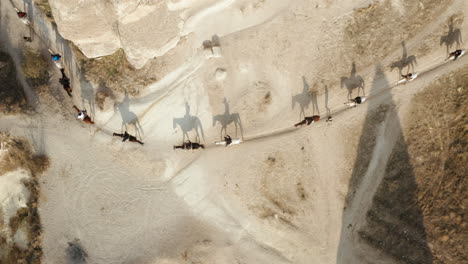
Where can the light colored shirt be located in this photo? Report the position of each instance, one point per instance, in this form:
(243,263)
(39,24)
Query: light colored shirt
(81,115)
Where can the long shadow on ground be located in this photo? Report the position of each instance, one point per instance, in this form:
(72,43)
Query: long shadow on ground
(392,226)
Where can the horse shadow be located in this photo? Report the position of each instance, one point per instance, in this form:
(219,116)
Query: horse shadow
(352,82)
(226,119)
(188,123)
(129,118)
(303,99)
(453,36)
(405,61)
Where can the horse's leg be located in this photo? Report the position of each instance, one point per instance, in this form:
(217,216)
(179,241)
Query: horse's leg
(235,124)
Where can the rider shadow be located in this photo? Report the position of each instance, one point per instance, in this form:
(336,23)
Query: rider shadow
(303,99)
(226,119)
(405,61)
(129,118)
(453,36)
(188,123)
(352,82)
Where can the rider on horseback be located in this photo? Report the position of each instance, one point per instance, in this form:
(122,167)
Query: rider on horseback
(309,120)
(128,137)
(228,140)
(83,115)
(456,54)
(407,76)
(65,82)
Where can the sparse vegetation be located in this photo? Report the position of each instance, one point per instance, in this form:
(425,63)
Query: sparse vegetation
(113,71)
(12,97)
(372,33)
(20,155)
(418,209)
(34,67)
(44,6)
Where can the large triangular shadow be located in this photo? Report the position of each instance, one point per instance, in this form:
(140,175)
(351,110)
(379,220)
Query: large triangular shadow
(392,227)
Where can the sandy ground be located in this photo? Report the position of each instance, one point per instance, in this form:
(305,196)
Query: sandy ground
(277,198)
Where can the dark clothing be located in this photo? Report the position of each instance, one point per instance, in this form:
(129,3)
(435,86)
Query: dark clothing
(308,120)
(456,54)
(408,76)
(228,140)
(128,137)
(65,82)
(358,100)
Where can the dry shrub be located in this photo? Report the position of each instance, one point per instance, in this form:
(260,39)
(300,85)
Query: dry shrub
(20,155)
(112,71)
(12,97)
(34,67)
(370,34)
(44,6)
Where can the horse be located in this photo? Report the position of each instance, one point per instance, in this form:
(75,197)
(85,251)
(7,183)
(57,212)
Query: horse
(452,37)
(128,137)
(189,145)
(309,120)
(409,62)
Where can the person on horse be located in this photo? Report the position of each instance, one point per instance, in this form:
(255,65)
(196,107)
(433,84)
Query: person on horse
(188,145)
(55,57)
(83,115)
(228,140)
(65,82)
(455,54)
(407,76)
(357,100)
(309,120)
(128,137)
(23,16)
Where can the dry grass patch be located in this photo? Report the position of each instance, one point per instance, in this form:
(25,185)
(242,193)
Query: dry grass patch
(417,214)
(44,6)
(34,67)
(375,31)
(18,154)
(113,72)
(12,97)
